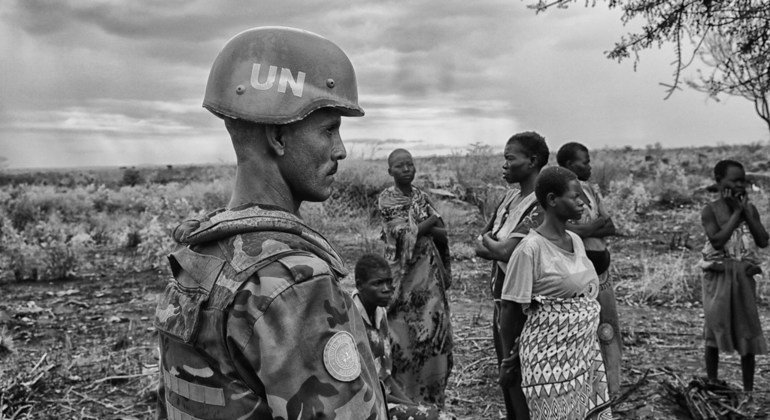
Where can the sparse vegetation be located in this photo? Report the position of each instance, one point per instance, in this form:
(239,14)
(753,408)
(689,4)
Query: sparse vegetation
(102,243)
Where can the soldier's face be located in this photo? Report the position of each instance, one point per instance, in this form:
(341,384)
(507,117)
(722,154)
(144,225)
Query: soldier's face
(313,148)
(377,290)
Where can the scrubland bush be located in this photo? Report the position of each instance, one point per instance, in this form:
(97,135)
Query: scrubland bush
(156,243)
(626,200)
(358,184)
(131,177)
(671,186)
(47,250)
(50,231)
(478,175)
(604,172)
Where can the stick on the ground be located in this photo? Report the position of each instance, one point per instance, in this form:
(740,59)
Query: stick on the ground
(39,362)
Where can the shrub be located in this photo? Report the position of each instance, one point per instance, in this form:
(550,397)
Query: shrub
(131,177)
(357,187)
(22,212)
(155,245)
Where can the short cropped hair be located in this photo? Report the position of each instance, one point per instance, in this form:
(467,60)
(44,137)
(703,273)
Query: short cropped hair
(394,153)
(568,153)
(533,144)
(553,179)
(720,169)
(368,263)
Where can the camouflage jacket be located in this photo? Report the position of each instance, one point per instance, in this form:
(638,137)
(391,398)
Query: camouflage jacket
(254,325)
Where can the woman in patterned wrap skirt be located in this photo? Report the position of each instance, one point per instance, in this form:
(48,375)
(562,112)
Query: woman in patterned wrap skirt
(555,283)
(418,316)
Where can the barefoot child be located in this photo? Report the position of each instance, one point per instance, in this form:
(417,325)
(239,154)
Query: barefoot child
(374,289)
(730,262)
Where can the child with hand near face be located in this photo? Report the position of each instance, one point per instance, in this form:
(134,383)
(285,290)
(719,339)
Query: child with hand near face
(730,261)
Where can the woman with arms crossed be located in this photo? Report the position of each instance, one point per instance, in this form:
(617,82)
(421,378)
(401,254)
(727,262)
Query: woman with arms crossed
(593,227)
(525,154)
(418,316)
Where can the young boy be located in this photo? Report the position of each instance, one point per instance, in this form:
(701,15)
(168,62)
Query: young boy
(374,290)
(730,262)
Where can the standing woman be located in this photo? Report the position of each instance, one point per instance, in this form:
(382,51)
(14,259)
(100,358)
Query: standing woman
(418,316)
(593,227)
(552,280)
(525,154)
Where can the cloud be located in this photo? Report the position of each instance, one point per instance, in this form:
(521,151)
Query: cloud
(436,73)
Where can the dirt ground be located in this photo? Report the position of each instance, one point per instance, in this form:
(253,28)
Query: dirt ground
(86,349)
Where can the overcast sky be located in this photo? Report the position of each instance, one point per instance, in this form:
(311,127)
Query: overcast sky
(87,82)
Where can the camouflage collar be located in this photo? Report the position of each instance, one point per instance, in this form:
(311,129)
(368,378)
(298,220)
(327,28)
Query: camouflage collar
(225,223)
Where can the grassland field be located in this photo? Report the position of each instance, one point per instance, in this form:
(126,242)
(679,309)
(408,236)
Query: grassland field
(82,262)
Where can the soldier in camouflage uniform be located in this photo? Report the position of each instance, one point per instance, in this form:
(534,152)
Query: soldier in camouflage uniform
(254,324)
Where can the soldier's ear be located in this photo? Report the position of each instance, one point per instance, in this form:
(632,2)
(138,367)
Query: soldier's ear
(276,140)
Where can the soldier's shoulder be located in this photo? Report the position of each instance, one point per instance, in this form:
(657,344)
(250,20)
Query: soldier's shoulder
(265,265)
(297,267)
(274,277)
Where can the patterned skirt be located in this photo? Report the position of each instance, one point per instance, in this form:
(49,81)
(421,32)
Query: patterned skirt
(563,375)
(419,326)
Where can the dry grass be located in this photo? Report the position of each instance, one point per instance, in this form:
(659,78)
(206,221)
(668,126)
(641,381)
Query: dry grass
(664,278)
(115,374)
(7,346)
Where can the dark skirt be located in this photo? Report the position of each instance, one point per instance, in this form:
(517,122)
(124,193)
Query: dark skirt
(730,307)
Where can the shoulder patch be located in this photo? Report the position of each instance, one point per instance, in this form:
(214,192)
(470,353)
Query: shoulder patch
(341,357)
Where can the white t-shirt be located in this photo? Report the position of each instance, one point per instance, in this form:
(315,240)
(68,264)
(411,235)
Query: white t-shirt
(538,267)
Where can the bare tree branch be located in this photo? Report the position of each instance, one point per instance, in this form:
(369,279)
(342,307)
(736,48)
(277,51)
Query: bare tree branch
(732,37)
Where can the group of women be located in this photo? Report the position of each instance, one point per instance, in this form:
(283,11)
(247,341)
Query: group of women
(545,284)
(555,324)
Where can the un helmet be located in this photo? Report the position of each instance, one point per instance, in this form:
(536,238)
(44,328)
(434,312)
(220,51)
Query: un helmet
(278,75)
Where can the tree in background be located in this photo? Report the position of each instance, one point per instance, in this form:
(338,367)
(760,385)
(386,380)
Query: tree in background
(731,37)
(737,72)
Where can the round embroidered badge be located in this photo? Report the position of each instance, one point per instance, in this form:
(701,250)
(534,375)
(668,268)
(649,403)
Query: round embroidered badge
(341,357)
